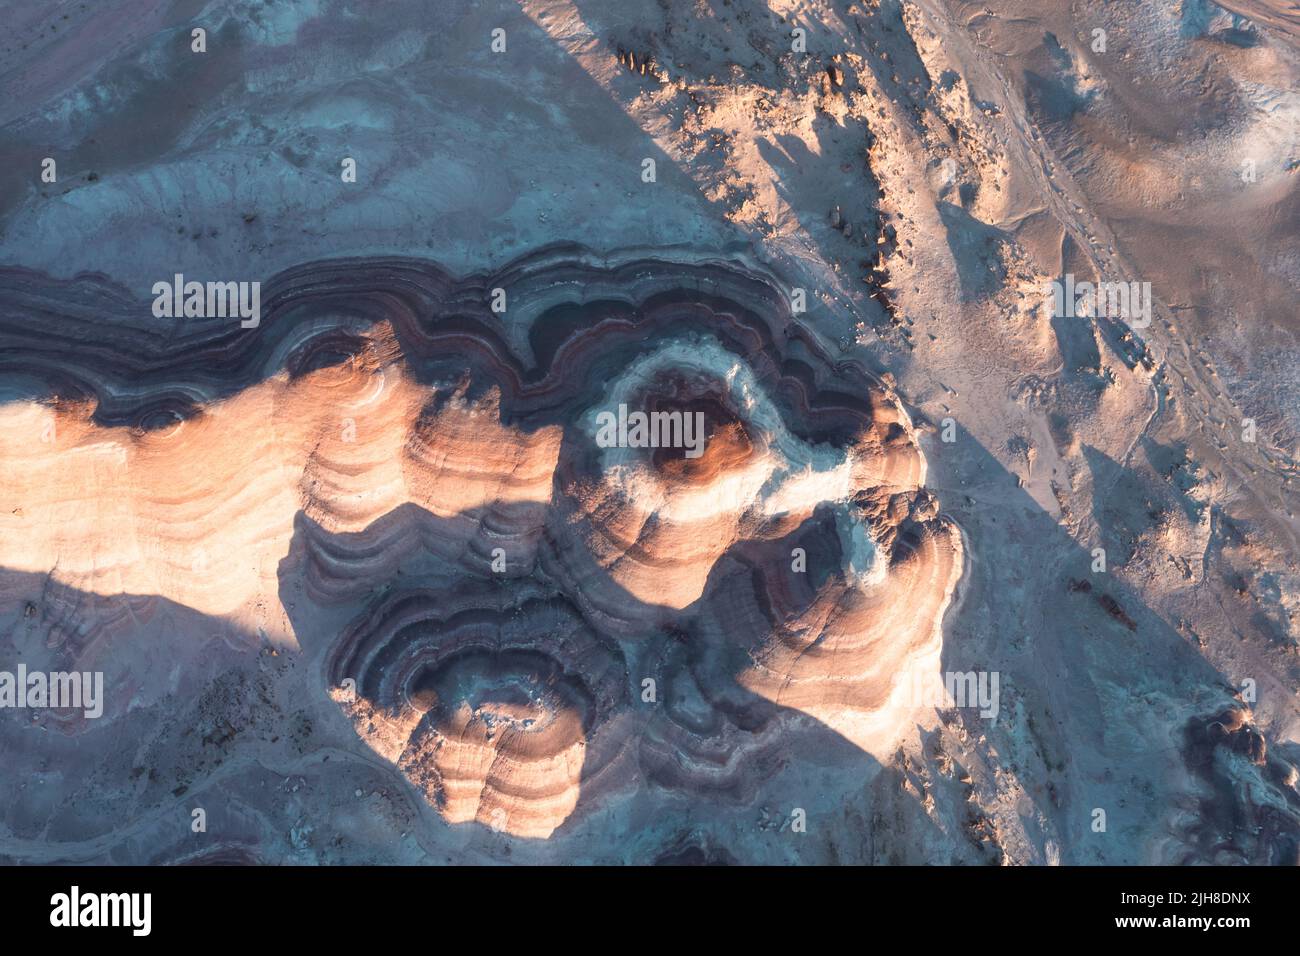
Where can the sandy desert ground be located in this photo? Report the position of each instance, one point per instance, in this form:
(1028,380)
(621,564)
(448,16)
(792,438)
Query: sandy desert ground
(961,574)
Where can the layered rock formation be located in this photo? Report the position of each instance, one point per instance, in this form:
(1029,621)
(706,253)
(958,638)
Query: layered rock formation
(409,487)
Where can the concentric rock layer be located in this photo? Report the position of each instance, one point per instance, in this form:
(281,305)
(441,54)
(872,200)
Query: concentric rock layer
(534,617)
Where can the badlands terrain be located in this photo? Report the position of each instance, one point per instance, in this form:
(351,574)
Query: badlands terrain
(962,571)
